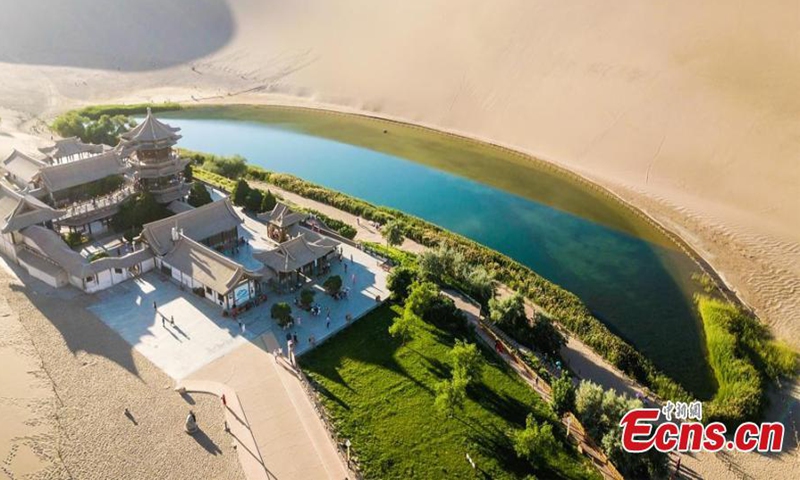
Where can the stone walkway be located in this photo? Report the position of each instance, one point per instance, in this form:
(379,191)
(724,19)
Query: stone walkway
(273,422)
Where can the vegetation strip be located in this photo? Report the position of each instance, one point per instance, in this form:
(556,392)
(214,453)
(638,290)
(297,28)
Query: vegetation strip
(743,358)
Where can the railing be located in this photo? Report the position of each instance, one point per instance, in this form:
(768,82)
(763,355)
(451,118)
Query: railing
(98,203)
(311,392)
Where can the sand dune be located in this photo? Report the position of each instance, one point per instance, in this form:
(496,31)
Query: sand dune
(688,110)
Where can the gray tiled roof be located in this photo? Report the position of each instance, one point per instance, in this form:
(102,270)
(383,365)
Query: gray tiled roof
(292,254)
(18,210)
(66,147)
(150,134)
(22,165)
(197,224)
(52,246)
(207,266)
(282,216)
(80,172)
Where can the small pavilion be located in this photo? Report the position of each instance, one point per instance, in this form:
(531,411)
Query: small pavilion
(280,222)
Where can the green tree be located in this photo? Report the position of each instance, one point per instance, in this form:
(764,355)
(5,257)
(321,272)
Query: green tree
(307,297)
(253,200)
(450,395)
(240,192)
(466,361)
(282,312)
(399,282)
(563,395)
(188,173)
(198,195)
(509,311)
(535,442)
(421,297)
(480,283)
(403,326)
(268,202)
(545,336)
(393,233)
(332,284)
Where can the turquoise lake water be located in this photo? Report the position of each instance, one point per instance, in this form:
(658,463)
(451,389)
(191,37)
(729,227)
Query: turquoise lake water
(640,290)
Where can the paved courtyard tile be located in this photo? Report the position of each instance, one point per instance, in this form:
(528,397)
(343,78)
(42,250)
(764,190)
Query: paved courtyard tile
(201,334)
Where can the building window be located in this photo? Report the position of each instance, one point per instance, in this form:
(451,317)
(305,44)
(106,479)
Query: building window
(89,279)
(209,291)
(118,271)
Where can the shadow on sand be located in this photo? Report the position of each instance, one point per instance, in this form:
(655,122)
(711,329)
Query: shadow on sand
(113,34)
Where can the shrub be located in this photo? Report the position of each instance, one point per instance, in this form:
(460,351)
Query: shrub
(404,325)
(97,255)
(232,167)
(307,297)
(332,284)
(399,282)
(198,195)
(443,313)
(450,395)
(282,313)
(74,238)
(600,413)
(393,233)
(563,395)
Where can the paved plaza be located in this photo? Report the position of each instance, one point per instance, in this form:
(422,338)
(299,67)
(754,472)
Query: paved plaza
(201,334)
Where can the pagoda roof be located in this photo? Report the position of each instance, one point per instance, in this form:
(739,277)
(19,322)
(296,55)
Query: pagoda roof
(67,147)
(282,216)
(151,134)
(292,254)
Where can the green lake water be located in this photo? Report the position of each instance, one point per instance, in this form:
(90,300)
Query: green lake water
(626,272)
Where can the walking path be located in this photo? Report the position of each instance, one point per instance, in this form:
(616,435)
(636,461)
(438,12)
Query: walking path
(273,422)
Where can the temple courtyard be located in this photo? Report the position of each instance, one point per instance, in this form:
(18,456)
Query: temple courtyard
(201,334)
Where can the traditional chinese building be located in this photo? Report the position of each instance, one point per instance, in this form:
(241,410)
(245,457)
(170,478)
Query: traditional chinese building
(158,169)
(69,150)
(280,221)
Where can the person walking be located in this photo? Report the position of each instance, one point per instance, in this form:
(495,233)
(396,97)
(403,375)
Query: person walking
(224,401)
(345,268)
(172,320)
(328,323)
(155,307)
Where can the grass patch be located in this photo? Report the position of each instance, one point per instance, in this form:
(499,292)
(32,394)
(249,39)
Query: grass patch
(744,358)
(380,395)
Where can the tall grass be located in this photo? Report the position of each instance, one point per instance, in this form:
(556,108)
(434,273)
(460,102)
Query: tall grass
(743,358)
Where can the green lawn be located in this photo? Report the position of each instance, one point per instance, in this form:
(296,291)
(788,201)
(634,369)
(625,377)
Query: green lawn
(381,395)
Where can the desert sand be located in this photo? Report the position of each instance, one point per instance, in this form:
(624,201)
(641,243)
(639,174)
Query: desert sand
(687,110)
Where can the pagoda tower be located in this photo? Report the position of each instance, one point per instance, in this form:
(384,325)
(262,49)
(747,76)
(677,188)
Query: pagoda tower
(157,167)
